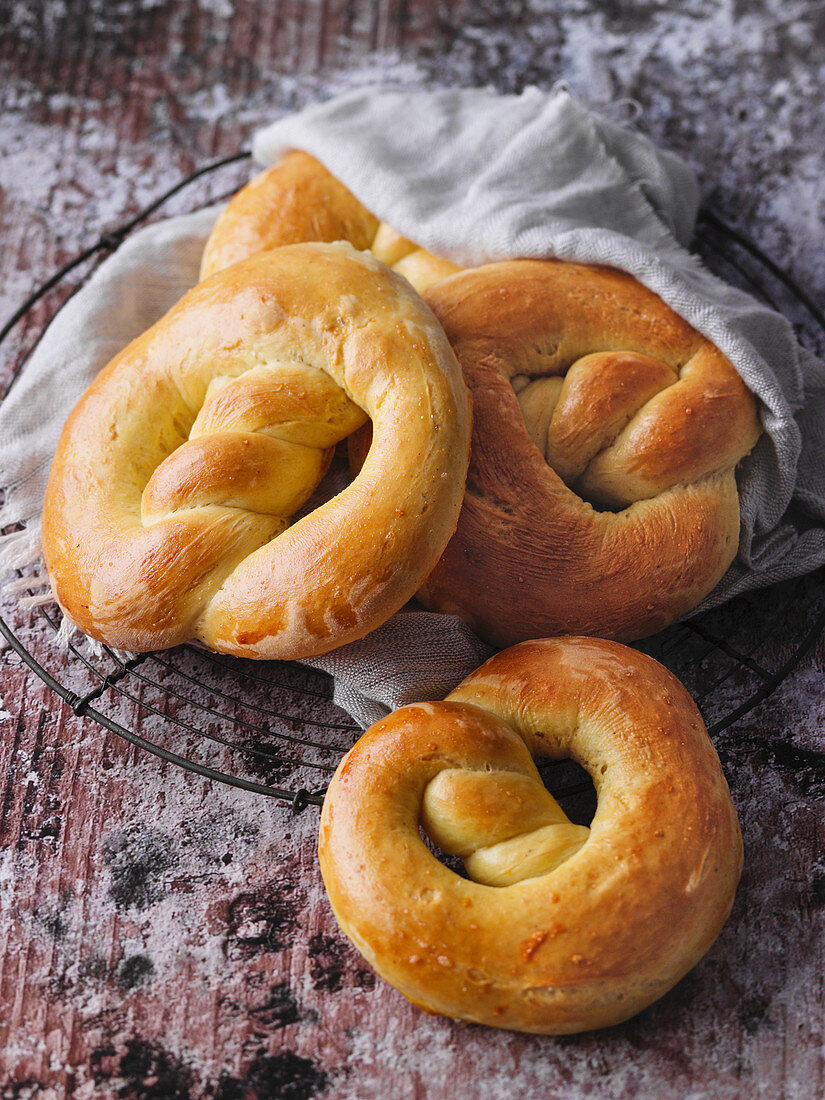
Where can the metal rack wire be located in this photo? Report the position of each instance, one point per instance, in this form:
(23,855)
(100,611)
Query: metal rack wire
(271,727)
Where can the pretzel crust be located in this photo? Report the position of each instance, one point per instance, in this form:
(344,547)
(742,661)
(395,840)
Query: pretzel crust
(649,420)
(297,200)
(611,928)
(168,507)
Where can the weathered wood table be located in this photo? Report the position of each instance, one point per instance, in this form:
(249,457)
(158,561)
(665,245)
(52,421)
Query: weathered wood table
(167,937)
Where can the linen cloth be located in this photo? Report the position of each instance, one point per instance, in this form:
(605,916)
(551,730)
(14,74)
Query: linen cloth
(475,177)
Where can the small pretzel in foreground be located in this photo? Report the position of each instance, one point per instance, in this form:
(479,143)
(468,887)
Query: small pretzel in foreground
(168,510)
(298,200)
(559,928)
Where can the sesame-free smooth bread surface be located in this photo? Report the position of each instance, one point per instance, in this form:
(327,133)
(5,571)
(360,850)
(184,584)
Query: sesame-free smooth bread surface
(167,515)
(558,928)
(601,495)
(298,200)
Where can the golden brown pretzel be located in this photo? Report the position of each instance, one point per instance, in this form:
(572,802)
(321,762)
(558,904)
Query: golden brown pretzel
(587,390)
(299,200)
(167,514)
(558,928)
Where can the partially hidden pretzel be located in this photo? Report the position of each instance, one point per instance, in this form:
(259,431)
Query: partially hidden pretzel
(297,200)
(559,928)
(168,510)
(601,495)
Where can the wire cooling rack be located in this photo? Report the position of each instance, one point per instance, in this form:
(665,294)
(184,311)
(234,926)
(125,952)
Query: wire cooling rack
(271,727)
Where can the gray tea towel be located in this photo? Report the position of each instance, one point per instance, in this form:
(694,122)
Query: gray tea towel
(473,176)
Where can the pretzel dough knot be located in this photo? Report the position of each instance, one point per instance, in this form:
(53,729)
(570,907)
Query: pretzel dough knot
(601,495)
(559,928)
(169,503)
(621,426)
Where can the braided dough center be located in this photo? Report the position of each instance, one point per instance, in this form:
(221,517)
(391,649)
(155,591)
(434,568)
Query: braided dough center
(506,826)
(584,422)
(261,442)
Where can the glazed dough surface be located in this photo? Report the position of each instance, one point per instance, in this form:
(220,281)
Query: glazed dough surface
(559,928)
(168,511)
(601,495)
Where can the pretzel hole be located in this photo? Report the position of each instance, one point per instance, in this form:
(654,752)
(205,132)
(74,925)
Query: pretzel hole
(358,446)
(336,478)
(451,862)
(572,787)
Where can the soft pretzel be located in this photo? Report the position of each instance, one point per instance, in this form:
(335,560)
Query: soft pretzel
(167,515)
(299,200)
(559,928)
(601,496)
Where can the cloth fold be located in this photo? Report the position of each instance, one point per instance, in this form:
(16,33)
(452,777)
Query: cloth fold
(473,176)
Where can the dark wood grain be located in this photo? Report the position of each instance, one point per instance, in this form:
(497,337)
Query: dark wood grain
(165,937)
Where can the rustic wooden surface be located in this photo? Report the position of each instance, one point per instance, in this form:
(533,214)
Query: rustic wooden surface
(165,937)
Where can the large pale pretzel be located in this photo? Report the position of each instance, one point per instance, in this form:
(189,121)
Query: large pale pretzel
(167,515)
(558,928)
(299,200)
(601,496)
